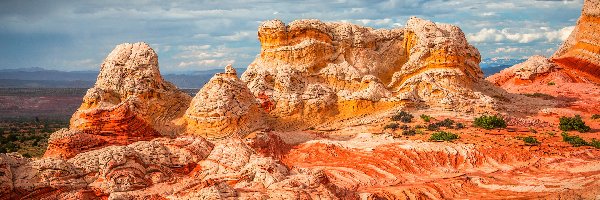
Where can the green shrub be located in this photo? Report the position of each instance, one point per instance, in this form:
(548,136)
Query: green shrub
(433,127)
(392,126)
(403,117)
(443,136)
(551,83)
(460,126)
(595,143)
(573,123)
(595,116)
(540,95)
(576,141)
(448,123)
(532,130)
(409,132)
(426,118)
(530,140)
(489,122)
(419,126)
(404,127)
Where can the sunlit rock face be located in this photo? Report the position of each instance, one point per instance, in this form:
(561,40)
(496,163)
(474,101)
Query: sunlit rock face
(129,102)
(581,50)
(223,107)
(321,69)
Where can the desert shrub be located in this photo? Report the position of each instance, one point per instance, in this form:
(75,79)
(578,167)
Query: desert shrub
(576,141)
(532,130)
(404,127)
(403,117)
(540,95)
(489,122)
(530,140)
(448,123)
(392,126)
(27,155)
(443,136)
(551,83)
(551,133)
(573,123)
(409,132)
(433,127)
(426,118)
(460,126)
(595,116)
(595,143)
(419,126)
(12,137)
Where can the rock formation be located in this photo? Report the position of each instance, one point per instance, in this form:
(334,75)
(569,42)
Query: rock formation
(319,69)
(129,102)
(223,107)
(581,50)
(577,60)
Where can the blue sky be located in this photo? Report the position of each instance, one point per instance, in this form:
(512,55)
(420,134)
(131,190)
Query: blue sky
(200,35)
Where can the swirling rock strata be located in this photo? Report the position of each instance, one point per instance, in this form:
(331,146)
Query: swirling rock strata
(581,50)
(129,102)
(310,70)
(223,107)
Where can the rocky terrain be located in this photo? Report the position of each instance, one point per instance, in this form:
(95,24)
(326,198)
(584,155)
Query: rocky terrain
(327,111)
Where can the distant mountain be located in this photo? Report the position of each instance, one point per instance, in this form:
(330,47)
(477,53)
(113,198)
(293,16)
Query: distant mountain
(42,78)
(491,66)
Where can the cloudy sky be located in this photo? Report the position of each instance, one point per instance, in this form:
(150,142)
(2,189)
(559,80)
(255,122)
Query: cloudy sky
(198,35)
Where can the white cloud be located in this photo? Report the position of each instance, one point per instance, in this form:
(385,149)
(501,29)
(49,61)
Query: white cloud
(543,34)
(507,50)
(238,36)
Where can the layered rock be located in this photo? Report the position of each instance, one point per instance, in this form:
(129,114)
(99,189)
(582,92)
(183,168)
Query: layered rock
(129,102)
(536,69)
(223,107)
(310,70)
(181,168)
(581,50)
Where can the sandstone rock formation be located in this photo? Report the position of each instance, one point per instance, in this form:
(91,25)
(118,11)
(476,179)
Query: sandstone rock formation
(129,102)
(223,107)
(577,60)
(320,69)
(181,168)
(581,50)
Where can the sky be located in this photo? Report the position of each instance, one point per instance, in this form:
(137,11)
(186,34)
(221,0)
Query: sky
(199,35)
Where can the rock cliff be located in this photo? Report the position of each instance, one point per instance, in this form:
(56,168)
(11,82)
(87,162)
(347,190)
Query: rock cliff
(224,107)
(320,69)
(581,50)
(129,102)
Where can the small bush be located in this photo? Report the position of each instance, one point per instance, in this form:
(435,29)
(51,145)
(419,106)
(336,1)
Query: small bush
(540,95)
(595,143)
(551,83)
(433,127)
(460,126)
(595,116)
(576,141)
(573,123)
(403,117)
(419,126)
(426,118)
(443,136)
(489,122)
(392,126)
(448,123)
(530,141)
(404,127)
(532,130)
(551,133)
(409,132)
